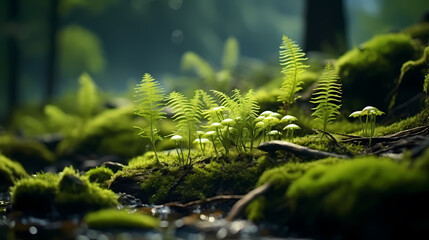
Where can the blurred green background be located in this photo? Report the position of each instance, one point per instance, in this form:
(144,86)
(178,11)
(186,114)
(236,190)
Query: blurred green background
(46,44)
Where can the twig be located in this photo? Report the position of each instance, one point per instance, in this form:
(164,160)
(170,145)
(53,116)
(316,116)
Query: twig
(239,206)
(207,200)
(273,146)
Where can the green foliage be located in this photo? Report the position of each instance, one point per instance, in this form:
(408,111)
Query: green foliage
(149,97)
(10,172)
(114,219)
(80,51)
(327,96)
(99,175)
(66,192)
(346,197)
(291,58)
(87,97)
(188,113)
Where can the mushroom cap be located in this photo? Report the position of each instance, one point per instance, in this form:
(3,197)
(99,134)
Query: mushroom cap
(177,138)
(274,133)
(276,115)
(370,110)
(202,140)
(260,118)
(266,113)
(219,109)
(288,118)
(356,114)
(228,121)
(291,126)
(210,133)
(260,124)
(271,120)
(216,125)
(200,133)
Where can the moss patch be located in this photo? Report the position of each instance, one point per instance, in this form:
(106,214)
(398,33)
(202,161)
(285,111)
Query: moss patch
(271,206)
(372,69)
(99,175)
(67,193)
(354,197)
(10,172)
(113,218)
(205,178)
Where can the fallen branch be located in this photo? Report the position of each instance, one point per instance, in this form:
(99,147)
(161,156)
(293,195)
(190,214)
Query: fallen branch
(239,206)
(273,146)
(204,201)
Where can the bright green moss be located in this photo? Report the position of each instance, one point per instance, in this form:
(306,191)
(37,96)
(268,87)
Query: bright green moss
(113,218)
(372,69)
(271,206)
(99,175)
(348,196)
(10,172)
(67,192)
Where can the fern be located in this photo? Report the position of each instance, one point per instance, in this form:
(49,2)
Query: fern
(149,96)
(188,113)
(327,96)
(243,109)
(231,53)
(87,98)
(191,61)
(291,58)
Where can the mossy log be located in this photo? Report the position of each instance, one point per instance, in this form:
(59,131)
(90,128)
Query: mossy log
(273,146)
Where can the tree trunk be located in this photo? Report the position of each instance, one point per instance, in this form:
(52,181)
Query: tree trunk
(52,51)
(325,26)
(13,57)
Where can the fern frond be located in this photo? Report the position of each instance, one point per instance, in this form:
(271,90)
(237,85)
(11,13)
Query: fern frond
(231,53)
(191,61)
(327,96)
(291,58)
(149,96)
(188,113)
(87,96)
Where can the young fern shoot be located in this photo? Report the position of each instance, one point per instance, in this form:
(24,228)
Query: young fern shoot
(291,58)
(188,113)
(327,96)
(149,96)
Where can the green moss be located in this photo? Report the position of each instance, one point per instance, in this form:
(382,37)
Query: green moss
(372,69)
(113,218)
(10,172)
(206,178)
(350,196)
(271,206)
(67,192)
(99,175)
(31,154)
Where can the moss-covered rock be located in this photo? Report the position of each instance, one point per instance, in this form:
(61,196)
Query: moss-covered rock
(205,178)
(10,172)
(271,206)
(368,73)
(120,219)
(67,193)
(365,198)
(99,175)
(30,153)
